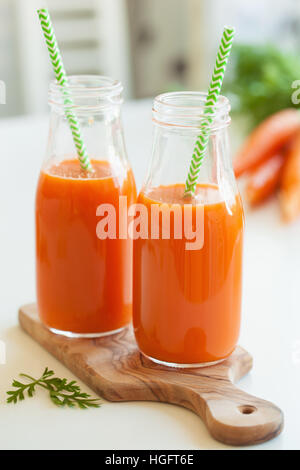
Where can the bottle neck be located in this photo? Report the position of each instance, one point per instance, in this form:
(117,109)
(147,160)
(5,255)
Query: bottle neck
(97,111)
(177,122)
(188,110)
(172,153)
(86,94)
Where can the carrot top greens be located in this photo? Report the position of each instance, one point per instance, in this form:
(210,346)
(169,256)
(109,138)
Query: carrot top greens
(61,392)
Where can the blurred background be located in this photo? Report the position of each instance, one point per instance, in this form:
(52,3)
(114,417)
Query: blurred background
(153,46)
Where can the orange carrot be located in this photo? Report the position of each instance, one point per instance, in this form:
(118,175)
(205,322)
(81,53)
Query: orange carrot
(267,139)
(290,183)
(264,180)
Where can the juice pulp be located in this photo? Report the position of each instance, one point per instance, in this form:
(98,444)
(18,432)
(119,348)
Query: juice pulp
(186,303)
(84,284)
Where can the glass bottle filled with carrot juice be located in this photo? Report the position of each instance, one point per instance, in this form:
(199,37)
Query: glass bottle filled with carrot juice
(187,269)
(84,282)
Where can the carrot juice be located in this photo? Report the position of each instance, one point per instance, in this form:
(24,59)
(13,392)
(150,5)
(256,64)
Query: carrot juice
(84,284)
(186,303)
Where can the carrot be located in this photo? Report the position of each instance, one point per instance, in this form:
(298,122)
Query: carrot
(264,180)
(267,139)
(290,183)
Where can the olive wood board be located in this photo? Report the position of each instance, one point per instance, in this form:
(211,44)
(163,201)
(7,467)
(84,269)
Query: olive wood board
(113,367)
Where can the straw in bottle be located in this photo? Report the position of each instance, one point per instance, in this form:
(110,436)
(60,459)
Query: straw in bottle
(61,78)
(209,110)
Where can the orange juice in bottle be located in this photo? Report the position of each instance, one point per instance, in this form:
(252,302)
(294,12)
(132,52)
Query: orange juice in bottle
(84,283)
(187,299)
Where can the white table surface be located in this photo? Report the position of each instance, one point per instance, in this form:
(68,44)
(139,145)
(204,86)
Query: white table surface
(270,326)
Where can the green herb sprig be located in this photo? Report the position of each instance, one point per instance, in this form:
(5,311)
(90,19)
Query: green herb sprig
(61,392)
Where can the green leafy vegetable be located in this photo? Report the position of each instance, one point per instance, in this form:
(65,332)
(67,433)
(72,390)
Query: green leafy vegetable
(61,392)
(259,79)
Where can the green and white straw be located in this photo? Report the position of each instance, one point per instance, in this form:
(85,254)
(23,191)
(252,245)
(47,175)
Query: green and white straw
(209,109)
(61,78)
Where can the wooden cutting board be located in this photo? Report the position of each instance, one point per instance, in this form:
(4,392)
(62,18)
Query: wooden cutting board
(113,367)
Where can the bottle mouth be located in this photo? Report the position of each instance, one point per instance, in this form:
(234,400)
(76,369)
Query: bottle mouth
(87,93)
(187,110)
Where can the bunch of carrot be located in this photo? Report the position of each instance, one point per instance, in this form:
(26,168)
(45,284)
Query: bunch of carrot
(270,157)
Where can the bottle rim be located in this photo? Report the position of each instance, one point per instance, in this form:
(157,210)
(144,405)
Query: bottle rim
(87,92)
(186,109)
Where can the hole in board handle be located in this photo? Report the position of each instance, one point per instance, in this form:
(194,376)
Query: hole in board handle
(247,409)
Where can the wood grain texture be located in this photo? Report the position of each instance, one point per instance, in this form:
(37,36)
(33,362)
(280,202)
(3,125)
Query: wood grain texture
(113,367)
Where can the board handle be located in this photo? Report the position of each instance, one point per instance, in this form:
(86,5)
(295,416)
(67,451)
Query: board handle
(238,418)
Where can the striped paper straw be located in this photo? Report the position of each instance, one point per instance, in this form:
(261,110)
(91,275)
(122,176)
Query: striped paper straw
(209,109)
(61,78)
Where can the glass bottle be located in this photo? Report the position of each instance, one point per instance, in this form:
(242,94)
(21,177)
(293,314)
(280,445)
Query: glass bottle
(84,281)
(187,290)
